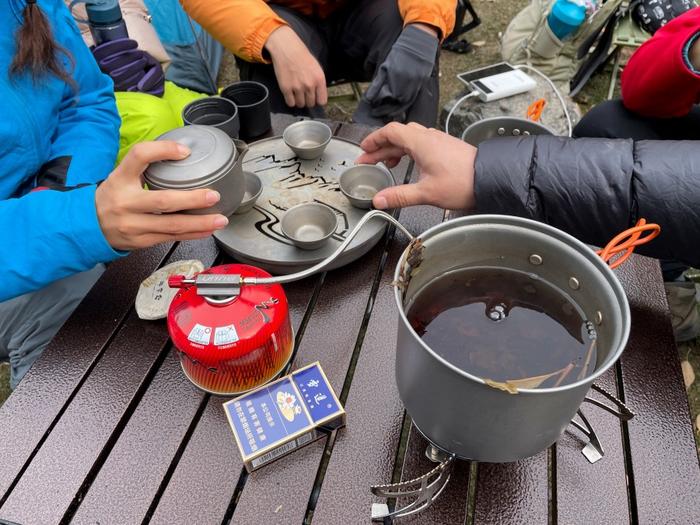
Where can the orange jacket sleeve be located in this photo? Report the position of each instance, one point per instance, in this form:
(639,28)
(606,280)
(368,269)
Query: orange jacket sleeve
(242,26)
(437,13)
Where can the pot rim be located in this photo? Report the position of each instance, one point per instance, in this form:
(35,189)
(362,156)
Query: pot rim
(495,219)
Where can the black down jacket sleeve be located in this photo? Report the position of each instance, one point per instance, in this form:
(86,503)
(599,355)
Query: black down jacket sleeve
(596,188)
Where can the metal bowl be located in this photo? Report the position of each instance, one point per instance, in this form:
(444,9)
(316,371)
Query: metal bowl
(308,138)
(362,182)
(253,189)
(309,225)
(502,127)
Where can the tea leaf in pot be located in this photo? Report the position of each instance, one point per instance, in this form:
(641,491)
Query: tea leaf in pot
(512,385)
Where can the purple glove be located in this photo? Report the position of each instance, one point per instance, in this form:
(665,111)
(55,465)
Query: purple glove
(130,68)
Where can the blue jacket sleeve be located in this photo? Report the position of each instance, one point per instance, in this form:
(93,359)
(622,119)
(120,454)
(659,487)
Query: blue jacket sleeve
(88,127)
(54,234)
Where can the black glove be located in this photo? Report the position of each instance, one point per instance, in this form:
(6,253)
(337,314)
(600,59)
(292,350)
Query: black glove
(130,68)
(401,76)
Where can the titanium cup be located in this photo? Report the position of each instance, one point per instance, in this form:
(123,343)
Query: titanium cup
(253,190)
(309,225)
(253,102)
(213,111)
(307,139)
(362,182)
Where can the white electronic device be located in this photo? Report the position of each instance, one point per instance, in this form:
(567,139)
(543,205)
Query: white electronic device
(497,81)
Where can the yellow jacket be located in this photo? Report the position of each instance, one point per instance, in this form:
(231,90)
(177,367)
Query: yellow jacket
(244,25)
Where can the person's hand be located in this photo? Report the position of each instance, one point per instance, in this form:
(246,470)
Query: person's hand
(299,75)
(132,217)
(445,166)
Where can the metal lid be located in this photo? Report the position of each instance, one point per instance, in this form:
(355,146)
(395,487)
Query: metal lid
(212,155)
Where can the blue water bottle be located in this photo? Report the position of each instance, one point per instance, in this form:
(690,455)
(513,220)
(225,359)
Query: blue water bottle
(565,17)
(105,20)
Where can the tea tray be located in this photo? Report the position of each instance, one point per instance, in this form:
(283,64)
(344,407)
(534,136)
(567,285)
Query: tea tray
(256,238)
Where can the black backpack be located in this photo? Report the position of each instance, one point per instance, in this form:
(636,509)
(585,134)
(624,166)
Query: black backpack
(648,14)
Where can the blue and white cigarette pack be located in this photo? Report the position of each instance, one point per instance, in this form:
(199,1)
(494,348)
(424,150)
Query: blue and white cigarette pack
(275,419)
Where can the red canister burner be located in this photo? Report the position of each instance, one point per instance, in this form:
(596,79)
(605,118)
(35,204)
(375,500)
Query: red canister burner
(230,339)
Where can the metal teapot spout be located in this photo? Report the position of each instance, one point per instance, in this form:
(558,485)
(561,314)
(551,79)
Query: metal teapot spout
(241,149)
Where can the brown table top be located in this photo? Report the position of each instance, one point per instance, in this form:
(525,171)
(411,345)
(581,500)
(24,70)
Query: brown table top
(105,428)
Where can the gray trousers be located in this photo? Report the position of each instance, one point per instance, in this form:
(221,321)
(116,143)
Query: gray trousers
(349,45)
(30,321)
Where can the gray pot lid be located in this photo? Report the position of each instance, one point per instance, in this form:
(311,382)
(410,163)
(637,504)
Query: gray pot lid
(212,155)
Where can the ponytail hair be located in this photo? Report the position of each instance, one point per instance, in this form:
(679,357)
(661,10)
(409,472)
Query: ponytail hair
(37,52)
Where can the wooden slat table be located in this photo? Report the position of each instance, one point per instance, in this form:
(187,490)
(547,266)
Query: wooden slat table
(106,429)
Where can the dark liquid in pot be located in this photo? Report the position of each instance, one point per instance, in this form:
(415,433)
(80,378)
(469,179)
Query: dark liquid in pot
(505,325)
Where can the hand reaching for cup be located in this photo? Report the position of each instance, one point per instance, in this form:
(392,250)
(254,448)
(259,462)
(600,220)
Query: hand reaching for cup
(132,217)
(445,166)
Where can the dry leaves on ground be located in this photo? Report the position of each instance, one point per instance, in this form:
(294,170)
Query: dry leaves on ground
(688,374)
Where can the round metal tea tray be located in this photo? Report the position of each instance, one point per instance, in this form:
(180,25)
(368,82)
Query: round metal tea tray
(256,238)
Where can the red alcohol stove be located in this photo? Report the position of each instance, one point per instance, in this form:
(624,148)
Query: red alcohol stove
(230,338)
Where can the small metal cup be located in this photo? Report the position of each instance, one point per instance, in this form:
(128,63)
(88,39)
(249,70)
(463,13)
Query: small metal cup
(308,138)
(309,225)
(362,182)
(213,111)
(253,189)
(253,101)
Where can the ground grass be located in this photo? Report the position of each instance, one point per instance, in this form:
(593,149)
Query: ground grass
(4,382)
(691,352)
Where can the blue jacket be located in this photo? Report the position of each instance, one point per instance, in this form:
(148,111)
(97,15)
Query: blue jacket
(47,235)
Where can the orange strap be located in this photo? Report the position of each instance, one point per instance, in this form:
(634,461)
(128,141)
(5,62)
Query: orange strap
(627,241)
(534,110)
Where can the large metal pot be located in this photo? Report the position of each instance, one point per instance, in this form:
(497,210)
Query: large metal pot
(215,162)
(459,412)
(505,126)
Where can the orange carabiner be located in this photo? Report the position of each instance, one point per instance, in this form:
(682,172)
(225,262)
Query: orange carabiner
(534,110)
(627,241)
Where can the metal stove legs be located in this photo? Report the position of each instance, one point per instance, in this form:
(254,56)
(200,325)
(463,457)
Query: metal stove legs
(425,489)
(593,450)
(428,487)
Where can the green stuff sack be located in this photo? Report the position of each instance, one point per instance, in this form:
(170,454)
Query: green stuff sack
(529,40)
(146,117)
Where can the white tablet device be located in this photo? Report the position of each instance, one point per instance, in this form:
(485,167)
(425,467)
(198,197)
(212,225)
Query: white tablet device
(497,81)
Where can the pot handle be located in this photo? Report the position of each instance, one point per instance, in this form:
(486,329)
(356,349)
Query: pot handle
(623,413)
(627,241)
